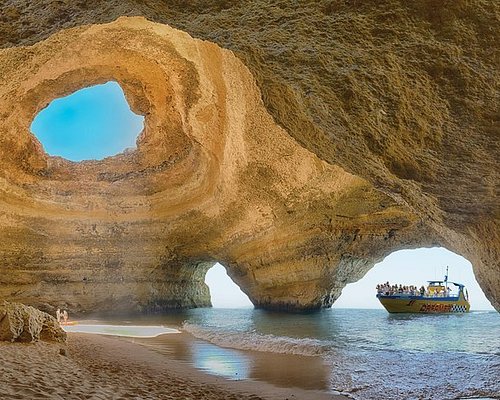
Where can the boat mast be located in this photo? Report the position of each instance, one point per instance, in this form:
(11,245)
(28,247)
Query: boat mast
(446,282)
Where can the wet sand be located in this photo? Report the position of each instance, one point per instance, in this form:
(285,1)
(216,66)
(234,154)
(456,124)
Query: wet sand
(282,370)
(105,367)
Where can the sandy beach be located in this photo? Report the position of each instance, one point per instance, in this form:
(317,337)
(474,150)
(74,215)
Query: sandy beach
(106,367)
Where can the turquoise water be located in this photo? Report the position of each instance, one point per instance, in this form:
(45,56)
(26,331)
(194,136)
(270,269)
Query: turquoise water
(120,330)
(366,354)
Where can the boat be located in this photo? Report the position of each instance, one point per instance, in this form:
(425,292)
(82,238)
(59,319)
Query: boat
(436,298)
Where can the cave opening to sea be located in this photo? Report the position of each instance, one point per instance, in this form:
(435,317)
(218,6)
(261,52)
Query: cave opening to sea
(224,293)
(413,267)
(90,124)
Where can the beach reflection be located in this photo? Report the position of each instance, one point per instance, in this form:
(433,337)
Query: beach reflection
(283,370)
(215,360)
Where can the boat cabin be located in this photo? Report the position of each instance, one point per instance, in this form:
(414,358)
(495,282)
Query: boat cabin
(441,289)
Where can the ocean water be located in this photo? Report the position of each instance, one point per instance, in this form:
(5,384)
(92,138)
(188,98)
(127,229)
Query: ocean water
(365,354)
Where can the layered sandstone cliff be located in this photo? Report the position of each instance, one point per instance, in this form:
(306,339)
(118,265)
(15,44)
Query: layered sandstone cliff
(297,145)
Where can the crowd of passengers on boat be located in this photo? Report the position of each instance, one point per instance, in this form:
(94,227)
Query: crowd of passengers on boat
(386,289)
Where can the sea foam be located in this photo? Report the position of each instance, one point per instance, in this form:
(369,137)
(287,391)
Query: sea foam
(258,342)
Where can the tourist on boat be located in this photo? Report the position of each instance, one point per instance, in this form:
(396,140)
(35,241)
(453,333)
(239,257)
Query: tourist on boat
(390,290)
(412,290)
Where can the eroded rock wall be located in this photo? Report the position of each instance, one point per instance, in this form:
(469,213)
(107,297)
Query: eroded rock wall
(20,323)
(395,102)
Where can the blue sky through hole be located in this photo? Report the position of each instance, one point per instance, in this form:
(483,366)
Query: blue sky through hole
(224,292)
(90,124)
(96,122)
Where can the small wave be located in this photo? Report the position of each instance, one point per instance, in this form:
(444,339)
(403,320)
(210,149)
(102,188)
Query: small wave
(258,342)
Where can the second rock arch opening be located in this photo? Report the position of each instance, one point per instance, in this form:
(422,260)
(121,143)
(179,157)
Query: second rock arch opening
(413,267)
(224,293)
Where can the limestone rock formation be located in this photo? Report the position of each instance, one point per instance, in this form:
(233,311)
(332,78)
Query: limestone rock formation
(298,144)
(20,323)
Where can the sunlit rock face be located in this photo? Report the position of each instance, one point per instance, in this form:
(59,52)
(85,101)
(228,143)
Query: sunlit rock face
(297,146)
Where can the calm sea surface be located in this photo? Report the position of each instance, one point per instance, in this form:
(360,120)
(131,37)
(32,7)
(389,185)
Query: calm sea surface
(366,354)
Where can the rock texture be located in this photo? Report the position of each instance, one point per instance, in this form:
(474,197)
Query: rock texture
(20,323)
(301,143)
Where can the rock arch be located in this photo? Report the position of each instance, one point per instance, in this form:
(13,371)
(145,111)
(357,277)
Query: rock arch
(214,177)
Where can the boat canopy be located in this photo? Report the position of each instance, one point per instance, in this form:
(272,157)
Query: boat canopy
(440,283)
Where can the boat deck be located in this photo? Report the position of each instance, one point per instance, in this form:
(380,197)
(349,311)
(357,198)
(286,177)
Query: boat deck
(413,297)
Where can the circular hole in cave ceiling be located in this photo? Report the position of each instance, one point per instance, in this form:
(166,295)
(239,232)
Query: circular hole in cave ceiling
(91,124)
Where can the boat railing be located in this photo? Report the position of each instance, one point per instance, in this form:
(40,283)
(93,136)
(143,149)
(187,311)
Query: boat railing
(418,294)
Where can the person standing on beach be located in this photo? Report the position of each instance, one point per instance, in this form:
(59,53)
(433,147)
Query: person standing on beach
(65,316)
(58,316)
